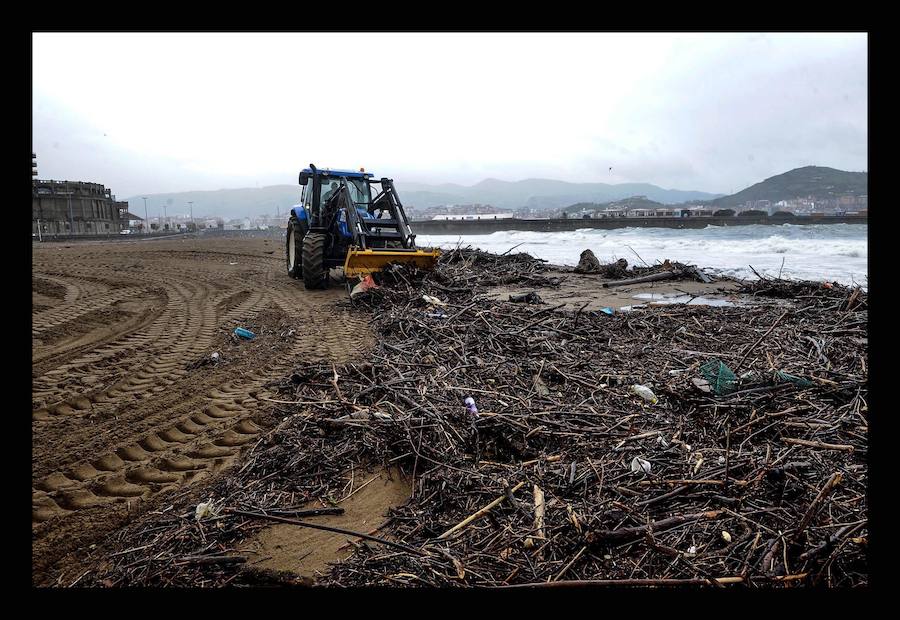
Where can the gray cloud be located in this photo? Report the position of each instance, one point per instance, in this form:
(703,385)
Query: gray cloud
(704,112)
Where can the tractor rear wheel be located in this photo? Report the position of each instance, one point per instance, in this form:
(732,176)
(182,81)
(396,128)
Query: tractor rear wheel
(315,275)
(294,248)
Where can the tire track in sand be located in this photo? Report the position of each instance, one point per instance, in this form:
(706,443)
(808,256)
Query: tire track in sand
(150,425)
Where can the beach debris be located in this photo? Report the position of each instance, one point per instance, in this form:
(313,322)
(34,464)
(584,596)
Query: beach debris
(588,263)
(798,381)
(540,387)
(607,310)
(364,285)
(528,298)
(653,277)
(720,378)
(639,465)
(630,523)
(436,315)
(205,509)
(215,357)
(470,405)
(244,333)
(644,392)
(726,536)
(434,301)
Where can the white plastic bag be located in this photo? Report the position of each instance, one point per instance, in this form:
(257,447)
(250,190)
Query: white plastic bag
(644,392)
(205,509)
(639,465)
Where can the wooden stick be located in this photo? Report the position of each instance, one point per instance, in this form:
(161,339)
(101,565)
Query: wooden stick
(539,511)
(826,490)
(650,582)
(479,513)
(761,338)
(362,486)
(818,444)
(665,275)
(656,526)
(326,528)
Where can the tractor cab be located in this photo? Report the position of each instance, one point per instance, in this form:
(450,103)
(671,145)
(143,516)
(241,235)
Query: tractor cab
(347,218)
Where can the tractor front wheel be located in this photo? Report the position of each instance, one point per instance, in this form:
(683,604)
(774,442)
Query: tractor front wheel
(294,248)
(315,275)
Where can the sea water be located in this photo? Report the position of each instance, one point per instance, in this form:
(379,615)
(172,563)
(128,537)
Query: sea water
(826,252)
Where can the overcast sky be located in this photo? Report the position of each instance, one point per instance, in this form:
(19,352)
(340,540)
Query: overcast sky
(151,113)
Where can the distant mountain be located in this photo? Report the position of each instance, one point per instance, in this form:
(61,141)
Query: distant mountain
(541,193)
(227,203)
(815,181)
(534,193)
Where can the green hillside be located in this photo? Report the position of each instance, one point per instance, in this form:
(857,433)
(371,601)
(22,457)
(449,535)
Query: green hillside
(815,181)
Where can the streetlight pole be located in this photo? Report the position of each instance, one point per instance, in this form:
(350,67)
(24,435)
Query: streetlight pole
(69,202)
(165,217)
(146,217)
(191,203)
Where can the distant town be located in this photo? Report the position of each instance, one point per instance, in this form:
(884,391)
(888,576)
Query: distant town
(76,208)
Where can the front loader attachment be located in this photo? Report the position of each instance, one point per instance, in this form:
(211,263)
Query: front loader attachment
(360,263)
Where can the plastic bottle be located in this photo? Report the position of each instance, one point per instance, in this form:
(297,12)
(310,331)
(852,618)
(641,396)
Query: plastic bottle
(644,392)
(244,333)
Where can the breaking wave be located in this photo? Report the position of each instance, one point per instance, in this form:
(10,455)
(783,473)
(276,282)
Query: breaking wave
(832,252)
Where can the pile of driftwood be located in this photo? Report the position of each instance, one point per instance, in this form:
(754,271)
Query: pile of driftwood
(618,274)
(535,460)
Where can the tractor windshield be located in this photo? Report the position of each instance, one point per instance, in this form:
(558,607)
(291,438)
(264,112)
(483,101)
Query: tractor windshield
(359,190)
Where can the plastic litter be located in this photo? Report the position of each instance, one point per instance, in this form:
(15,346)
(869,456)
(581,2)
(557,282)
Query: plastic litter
(244,333)
(726,536)
(639,465)
(434,301)
(436,315)
(366,284)
(799,381)
(206,509)
(720,377)
(702,384)
(215,356)
(540,387)
(470,405)
(608,311)
(527,298)
(644,392)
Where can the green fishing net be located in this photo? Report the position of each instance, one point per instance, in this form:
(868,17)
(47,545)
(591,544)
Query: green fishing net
(720,377)
(799,381)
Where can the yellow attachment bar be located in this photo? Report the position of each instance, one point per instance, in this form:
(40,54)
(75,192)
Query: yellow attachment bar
(364,262)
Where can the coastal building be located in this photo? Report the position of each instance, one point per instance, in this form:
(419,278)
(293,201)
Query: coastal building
(641,212)
(76,208)
(473,216)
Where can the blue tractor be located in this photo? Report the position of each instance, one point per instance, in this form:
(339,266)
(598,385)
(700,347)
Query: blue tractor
(339,223)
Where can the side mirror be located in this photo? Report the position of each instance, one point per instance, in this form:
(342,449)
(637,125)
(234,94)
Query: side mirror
(304,178)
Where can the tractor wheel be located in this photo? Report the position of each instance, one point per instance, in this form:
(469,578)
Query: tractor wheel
(294,248)
(315,275)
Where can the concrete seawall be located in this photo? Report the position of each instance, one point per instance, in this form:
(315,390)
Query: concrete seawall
(484,227)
